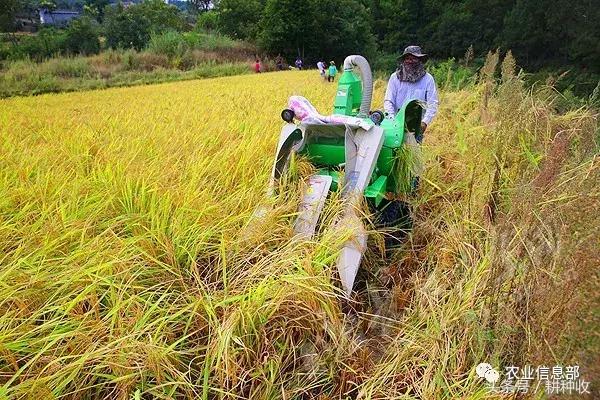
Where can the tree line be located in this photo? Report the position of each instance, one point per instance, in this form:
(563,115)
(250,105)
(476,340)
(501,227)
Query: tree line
(540,33)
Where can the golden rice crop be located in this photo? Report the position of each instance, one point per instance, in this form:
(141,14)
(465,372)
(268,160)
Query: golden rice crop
(127,269)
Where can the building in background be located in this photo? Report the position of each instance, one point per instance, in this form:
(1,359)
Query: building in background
(57,17)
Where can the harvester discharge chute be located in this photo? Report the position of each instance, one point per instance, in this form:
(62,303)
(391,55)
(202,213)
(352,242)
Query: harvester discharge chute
(363,144)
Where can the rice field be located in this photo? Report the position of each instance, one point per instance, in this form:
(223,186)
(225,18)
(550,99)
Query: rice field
(128,269)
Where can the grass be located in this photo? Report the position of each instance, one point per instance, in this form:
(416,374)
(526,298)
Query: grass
(170,57)
(128,269)
(69,75)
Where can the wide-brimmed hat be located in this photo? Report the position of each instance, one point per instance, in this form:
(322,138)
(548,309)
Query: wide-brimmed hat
(413,50)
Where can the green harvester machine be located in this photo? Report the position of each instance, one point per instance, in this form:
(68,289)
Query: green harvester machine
(362,143)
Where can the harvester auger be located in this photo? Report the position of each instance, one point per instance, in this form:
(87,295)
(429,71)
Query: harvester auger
(365,145)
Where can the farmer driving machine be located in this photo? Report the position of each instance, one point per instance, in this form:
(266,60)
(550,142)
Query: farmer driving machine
(355,151)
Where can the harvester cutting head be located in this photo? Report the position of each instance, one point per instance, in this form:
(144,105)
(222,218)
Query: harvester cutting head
(355,150)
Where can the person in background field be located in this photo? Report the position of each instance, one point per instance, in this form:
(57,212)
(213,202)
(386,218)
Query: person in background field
(279,62)
(321,67)
(257,66)
(332,72)
(412,82)
(298,63)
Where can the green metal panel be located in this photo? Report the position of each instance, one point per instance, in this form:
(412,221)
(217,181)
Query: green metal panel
(393,132)
(348,95)
(385,162)
(377,189)
(326,154)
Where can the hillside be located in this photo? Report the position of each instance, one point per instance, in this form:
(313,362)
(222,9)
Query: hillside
(126,272)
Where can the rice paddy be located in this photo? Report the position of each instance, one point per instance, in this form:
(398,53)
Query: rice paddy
(128,269)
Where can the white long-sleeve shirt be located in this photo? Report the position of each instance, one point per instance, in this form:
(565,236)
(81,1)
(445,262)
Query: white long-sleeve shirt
(399,92)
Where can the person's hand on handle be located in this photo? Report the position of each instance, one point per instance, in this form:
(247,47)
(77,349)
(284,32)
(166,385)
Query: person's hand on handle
(423,127)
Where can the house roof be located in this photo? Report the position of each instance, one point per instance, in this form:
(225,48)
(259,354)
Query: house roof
(61,12)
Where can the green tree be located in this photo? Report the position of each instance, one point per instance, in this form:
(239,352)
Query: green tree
(127,28)
(131,27)
(289,28)
(208,21)
(557,32)
(486,23)
(449,33)
(48,5)
(344,28)
(576,33)
(82,37)
(317,29)
(402,24)
(95,9)
(237,18)
(381,25)
(8,10)
(199,6)
(526,33)
(163,17)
